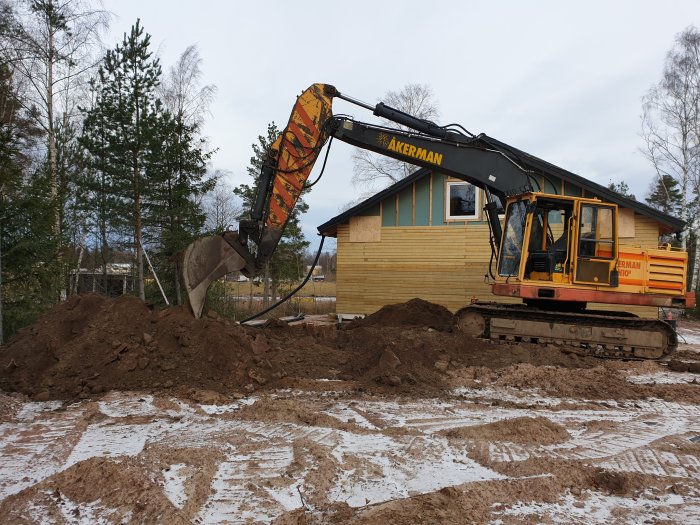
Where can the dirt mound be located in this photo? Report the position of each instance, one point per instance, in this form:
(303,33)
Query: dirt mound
(539,430)
(415,312)
(118,491)
(90,344)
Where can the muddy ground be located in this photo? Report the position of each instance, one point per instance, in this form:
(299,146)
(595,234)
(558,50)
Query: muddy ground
(113,413)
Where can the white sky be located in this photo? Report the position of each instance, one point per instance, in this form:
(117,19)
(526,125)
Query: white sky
(563,82)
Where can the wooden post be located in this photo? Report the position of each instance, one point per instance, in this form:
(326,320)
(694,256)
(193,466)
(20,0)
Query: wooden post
(153,271)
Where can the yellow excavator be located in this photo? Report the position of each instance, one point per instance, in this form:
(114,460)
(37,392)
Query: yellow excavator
(556,253)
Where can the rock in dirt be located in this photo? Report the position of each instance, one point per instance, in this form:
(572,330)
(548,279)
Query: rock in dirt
(393,380)
(388,361)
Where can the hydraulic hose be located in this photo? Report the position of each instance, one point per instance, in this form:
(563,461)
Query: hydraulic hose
(291,294)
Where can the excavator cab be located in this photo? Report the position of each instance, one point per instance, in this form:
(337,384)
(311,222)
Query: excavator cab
(551,239)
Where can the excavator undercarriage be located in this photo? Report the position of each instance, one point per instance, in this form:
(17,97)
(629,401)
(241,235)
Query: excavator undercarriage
(593,333)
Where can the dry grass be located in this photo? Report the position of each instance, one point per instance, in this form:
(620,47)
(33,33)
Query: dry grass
(311,289)
(238,301)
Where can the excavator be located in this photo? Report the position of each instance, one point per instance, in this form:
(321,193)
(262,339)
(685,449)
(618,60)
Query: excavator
(555,253)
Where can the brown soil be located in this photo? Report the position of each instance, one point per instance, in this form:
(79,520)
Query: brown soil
(415,312)
(89,345)
(9,405)
(122,486)
(538,430)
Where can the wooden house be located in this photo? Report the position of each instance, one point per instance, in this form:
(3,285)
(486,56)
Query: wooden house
(426,236)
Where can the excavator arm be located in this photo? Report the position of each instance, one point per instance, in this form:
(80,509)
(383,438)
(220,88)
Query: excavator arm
(292,156)
(285,169)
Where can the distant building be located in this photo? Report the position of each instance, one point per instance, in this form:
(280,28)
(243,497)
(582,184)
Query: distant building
(317,269)
(112,280)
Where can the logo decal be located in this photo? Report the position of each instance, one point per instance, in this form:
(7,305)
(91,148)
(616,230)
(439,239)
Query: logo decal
(404,148)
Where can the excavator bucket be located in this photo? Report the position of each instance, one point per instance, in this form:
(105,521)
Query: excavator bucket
(206,260)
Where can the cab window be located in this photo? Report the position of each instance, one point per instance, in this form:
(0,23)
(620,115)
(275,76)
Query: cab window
(596,238)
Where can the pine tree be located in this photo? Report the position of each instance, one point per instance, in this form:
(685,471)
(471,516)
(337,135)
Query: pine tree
(177,165)
(119,131)
(665,195)
(622,188)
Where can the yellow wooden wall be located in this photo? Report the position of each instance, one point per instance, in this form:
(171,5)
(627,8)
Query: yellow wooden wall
(441,264)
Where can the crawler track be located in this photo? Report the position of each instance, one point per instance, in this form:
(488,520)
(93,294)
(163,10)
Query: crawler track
(593,333)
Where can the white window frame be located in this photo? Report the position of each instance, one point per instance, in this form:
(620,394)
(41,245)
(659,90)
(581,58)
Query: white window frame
(477,202)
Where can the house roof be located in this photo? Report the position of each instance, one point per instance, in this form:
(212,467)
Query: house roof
(671,224)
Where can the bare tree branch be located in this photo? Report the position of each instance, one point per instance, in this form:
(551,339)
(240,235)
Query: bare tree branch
(372,171)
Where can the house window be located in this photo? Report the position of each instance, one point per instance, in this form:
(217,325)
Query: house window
(462,201)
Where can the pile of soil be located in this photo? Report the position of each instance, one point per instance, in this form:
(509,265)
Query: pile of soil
(415,312)
(537,430)
(91,344)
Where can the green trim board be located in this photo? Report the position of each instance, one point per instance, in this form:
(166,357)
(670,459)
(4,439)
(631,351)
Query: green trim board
(406,206)
(422,202)
(389,211)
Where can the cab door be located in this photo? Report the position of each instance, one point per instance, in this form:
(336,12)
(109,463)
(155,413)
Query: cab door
(595,246)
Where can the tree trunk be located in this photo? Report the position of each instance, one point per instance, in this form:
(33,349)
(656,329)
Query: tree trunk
(178,293)
(266,287)
(696,259)
(53,179)
(74,288)
(274,291)
(137,232)
(2,331)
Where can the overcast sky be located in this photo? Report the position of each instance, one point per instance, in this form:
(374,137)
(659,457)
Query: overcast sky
(562,82)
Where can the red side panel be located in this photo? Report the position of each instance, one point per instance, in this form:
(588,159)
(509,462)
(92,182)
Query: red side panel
(592,296)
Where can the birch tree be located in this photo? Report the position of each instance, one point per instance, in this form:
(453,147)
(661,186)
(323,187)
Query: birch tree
(373,171)
(52,45)
(221,205)
(671,130)
(182,91)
